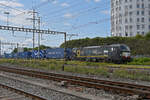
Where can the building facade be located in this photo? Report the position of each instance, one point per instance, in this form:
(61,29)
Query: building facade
(130,17)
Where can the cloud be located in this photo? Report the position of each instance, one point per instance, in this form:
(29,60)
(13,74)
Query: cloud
(17,15)
(11,3)
(87,0)
(67,24)
(54,2)
(93,0)
(44,0)
(65,5)
(107,12)
(97,0)
(68,15)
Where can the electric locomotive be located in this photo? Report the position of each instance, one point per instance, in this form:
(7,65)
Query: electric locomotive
(117,53)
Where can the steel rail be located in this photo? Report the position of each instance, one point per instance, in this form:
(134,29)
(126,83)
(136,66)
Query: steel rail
(118,87)
(34,97)
(89,79)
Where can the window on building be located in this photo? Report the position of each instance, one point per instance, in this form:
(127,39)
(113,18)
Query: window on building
(138,27)
(126,34)
(130,6)
(126,13)
(142,12)
(138,19)
(143,26)
(126,20)
(120,1)
(138,5)
(126,7)
(130,13)
(120,21)
(119,8)
(148,5)
(130,27)
(143,33)
(131,20)
(126,27)
(131,34)
(143,5)
(142,20)
(138,12)
(149,27)
(120,28)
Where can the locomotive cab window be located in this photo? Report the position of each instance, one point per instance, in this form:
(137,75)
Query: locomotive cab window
(105,52)
(124,48)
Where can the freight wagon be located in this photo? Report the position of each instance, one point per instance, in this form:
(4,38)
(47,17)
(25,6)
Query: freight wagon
(35,54)
(58,53)
(8,55)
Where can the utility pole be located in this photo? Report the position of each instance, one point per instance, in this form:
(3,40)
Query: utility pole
(34,28)
(71,35)
(65,36)
(39,22)
(17,49)
(7,13)
(0,48)
(65,53)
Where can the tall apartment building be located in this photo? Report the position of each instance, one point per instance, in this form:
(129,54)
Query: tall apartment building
(130,17)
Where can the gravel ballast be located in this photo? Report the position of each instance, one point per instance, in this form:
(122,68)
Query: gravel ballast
(89,91)
(38,90)
(55,86)
(11,95)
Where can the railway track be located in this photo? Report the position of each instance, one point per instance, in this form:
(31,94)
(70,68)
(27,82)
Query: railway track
(15,93)
(117,87)
(112,67)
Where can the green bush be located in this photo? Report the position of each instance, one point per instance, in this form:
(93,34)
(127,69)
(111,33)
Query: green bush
(140,61)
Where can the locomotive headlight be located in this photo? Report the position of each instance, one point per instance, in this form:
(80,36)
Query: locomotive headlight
(126,54)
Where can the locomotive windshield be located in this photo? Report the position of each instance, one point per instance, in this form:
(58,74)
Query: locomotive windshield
(124,48)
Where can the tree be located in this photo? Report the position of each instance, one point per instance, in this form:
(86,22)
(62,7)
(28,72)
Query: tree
(139,45)
(42,47)
(147,36)
(138,36)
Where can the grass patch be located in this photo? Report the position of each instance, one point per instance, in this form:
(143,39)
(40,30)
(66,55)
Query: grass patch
(102,69)
(135,75)
(140,61)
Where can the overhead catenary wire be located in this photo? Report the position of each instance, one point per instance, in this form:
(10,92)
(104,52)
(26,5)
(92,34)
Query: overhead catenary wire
(11,7)
(81,12)
(101,20)
(77,14)
(35,6)
(57,13)
(42,4)
(63,9)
